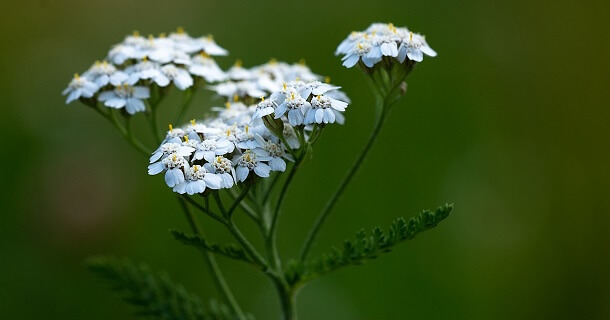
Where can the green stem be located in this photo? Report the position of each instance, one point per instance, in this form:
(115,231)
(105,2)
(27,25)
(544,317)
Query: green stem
(238,200)
(246,244)
(247,208)
(287,301)
(270,188)
(211,263)
(384,106)
(250,249)
(271,241)
(187,98)
(152,120)
(127,134)
(206,210)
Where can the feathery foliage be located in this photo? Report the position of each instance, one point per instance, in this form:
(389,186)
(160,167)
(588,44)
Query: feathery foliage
(154,294)
(229,250)
(366,246)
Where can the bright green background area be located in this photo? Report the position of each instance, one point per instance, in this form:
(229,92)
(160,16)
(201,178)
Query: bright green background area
(509,122)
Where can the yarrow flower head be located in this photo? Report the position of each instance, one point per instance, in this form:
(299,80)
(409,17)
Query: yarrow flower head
(144,62)
(235,145)
(383,40)
(307,103)
(263,80)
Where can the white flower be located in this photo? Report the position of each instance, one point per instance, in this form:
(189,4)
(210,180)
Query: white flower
(174,135)
(119,77)
(172,165)
(314,87)
(381,40)
(247,162)
(291,136)
(241,89)
(324,110)
(183,42)
(100,73)
(272,152)
(179,76)
(126,95)
(79,87)
(145,70)
(121,53)
(387,45)
(246,139)
(194,129)
(296,107)
(180,57)
(134,39)
(346,45)
(381,28)
(210,47)
(208,149)
(286,91)
(265,82)
(338,95)
(197,178)
(414,47)
(364,51)
(158,49)
(263,108)
(204,66)
(169,148)
(237,72)
(223,168)
(233,113)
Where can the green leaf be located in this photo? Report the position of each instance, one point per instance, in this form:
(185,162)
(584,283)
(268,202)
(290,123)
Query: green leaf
(229,250)
(365,246)
(154,295)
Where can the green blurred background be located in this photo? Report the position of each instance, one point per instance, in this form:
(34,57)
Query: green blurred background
(509,122)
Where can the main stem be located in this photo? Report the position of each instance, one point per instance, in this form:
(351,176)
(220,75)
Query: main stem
(287,300)
(383,106)
(211,263)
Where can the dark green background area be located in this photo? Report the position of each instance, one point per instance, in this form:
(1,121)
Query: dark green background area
(509,122)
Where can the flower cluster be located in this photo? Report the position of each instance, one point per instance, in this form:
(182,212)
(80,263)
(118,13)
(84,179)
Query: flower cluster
(262,80)
(125,78)
(383,40)
(237,144)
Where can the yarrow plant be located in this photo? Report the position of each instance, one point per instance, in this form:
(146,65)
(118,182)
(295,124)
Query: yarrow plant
(272,117)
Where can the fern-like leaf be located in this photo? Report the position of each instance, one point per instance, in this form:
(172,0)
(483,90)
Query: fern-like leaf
(154,294)
(365,246)
(229,250)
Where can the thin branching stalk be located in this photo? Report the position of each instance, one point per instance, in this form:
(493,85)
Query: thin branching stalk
(270,188)
(152,121)
(211,263)
(246,244)
(127,133)
(251,212)
(238,235)
(238,200)
(271,238)
(205,210)
(384,103)
(186,103)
